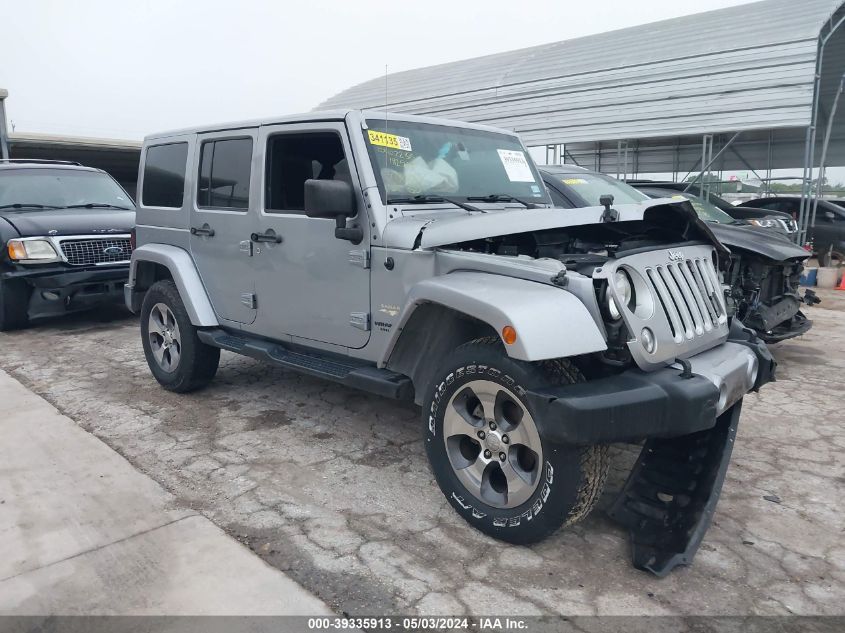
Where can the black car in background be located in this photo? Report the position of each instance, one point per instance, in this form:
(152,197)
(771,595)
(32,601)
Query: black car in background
(65,239)
(763,218)
(762,280)
(828,234)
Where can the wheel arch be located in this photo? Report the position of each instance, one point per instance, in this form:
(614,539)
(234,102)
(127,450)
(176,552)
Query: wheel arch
(154,262)
(444,312)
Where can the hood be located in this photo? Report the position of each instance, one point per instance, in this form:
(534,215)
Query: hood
(448,227)
(69,221)
(769,244)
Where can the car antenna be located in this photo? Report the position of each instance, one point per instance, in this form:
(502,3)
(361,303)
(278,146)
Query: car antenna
(609,214)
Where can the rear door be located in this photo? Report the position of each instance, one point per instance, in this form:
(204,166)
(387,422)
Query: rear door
(220,222)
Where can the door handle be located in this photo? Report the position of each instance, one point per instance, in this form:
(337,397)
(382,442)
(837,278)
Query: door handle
(203,231)
(268,236)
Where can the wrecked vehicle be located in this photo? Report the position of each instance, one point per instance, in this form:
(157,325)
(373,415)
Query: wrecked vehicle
(765,267)
(421,259)
(763,278)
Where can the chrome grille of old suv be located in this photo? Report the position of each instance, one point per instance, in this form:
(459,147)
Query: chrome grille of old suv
(97,250)
(678,297)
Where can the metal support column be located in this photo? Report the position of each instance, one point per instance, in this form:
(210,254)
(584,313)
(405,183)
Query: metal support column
(622,159)
(4,133)
(810,142)
(713,159)
(825,144)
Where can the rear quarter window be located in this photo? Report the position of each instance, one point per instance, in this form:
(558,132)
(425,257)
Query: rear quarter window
(164,175)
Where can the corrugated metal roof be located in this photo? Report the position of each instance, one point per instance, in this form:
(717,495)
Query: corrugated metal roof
(743,68)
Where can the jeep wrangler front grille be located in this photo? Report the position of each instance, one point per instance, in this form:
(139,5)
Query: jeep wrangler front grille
(88,251)
(678,297)
(689,295)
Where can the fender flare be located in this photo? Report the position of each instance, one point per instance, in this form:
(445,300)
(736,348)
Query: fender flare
(550,322)
(185,275)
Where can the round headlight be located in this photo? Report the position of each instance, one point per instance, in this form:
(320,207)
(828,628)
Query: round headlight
(624,290)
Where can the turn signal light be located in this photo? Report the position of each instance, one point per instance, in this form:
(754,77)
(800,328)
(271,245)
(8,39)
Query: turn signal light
(508,335)
(16,250)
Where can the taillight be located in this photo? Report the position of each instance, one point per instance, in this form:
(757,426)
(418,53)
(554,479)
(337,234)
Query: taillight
(132,239)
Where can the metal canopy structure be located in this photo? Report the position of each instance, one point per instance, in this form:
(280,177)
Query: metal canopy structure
(750,87)
(118,157)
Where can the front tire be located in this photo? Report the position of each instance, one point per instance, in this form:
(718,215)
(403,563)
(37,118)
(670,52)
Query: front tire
(177,358)
(488,456)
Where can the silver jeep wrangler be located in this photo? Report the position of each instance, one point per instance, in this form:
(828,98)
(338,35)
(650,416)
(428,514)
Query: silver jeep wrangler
(422,259)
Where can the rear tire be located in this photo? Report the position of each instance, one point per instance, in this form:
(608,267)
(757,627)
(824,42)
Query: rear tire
(527,487)
(14,304)
(829,258)
(177,358)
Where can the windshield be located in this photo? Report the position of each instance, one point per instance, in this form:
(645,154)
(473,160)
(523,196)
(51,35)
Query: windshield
(421,159)
(59,188)
(589,187)
(705,210)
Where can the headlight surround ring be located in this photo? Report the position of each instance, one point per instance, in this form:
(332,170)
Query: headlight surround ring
(625,291)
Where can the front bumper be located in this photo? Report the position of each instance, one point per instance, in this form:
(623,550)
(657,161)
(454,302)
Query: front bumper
(57,290)
(671,402)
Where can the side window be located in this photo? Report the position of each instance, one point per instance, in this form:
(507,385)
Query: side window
(294,158)
(164,175)
(225,166)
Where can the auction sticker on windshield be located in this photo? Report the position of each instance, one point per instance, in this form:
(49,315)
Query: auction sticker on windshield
(389,140)
(516,165)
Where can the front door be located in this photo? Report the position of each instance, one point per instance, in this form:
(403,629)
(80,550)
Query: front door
(221,221)
(310,285)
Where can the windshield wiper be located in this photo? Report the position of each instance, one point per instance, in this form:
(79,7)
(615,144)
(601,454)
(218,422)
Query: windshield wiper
(27,205)
(503,197)
(429,198)
(96,205)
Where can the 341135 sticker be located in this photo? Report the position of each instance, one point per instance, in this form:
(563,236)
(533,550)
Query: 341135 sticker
(389,140)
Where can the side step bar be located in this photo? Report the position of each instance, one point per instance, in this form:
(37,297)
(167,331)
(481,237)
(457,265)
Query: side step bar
(668,501)
(347,371)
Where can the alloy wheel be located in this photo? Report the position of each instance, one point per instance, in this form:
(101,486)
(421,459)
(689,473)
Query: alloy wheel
(492,444)
(165,339)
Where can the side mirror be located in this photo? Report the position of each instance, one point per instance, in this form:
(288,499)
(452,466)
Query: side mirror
(829,216)
(333,199)
(329,199)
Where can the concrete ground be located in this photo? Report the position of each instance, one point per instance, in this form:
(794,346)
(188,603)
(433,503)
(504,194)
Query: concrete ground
(85,533)
(332,486)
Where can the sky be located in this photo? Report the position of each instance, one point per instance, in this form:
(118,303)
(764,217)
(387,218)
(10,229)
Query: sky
(126,68)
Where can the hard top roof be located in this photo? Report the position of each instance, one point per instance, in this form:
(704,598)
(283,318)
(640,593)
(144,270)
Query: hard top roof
(327,115)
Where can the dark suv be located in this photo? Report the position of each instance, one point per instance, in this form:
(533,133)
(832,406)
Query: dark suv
(65,237)
(828,234)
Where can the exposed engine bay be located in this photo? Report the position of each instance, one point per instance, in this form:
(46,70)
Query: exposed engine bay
(585,247)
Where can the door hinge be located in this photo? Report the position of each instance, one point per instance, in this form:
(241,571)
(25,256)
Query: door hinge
(245,247)
(248,299)
(360,320)
(360,258)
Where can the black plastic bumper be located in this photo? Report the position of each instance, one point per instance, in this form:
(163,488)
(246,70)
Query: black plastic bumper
(767,365)
(58,290)
(628,407)
(635,405)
